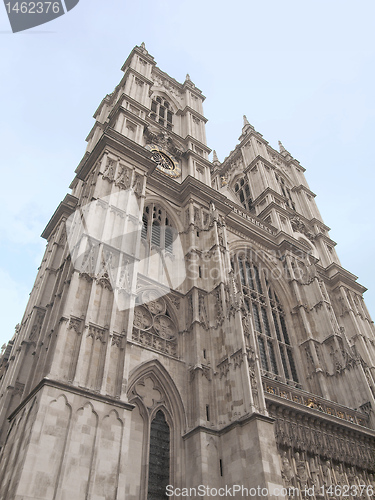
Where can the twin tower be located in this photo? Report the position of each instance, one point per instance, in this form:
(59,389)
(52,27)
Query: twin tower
(190,325)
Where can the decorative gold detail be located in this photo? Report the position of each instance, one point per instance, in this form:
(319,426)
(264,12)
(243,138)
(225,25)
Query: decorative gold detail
(166,163)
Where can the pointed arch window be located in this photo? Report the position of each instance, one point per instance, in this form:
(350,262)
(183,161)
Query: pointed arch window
(242,190)
(161,112)
(157,229)
(159,458)
(270,326)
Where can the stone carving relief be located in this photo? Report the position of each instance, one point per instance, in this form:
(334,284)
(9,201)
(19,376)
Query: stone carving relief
(163,140)
(251,359)
(164,326)
(97,333)
(287,472)
(109,171)
(202,311)
(246,326)
(206,219)
(327,473)
(152,325)
(224,179)
(123,179)
(62,239)
(190,310)
(205,371)
(124,278)
(175,301)
(197,218)
(327,441)
(314,473)
(108,263)
(299,226)
(76,325)
(138,185)
(89,261)
(187,217)
(219,313)
(303,272)
(116,340)
(302,474)
(168,86)
(37,325)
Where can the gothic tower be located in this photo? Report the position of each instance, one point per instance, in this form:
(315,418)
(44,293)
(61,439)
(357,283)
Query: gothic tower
(190,323)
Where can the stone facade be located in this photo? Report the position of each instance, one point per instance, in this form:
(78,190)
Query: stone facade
(190,323)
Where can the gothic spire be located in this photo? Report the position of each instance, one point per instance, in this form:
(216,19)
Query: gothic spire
(281,148)
(246,127)
(215,159)
(143,48)
(284,151)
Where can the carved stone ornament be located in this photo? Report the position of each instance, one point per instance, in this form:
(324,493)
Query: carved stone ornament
(203,318)
(167,85)
(116,340)
(164,326)
(37,326)
(161,140)
(75,324)
(142,318)
(152,325)
(175,301)
(123,179)
(97,333)
(219,316)
(109,171)
(224,180)
(287,472)
(299,226)
(138,185)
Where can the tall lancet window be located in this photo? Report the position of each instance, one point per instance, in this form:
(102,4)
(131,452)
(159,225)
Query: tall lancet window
(269,322)
(242,190)
(157,229)
(286,192)
(161,112)
(158,470)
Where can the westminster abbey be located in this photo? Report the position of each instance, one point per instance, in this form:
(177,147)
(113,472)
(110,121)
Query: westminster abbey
(190,324)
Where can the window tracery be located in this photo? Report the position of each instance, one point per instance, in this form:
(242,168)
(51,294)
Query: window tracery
(161,112)
(157,229)
(153,325)
(286,192)
(152,427)
(242,190)
(270,326)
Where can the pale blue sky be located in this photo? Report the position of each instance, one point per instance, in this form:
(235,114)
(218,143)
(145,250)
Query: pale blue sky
(302,72)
